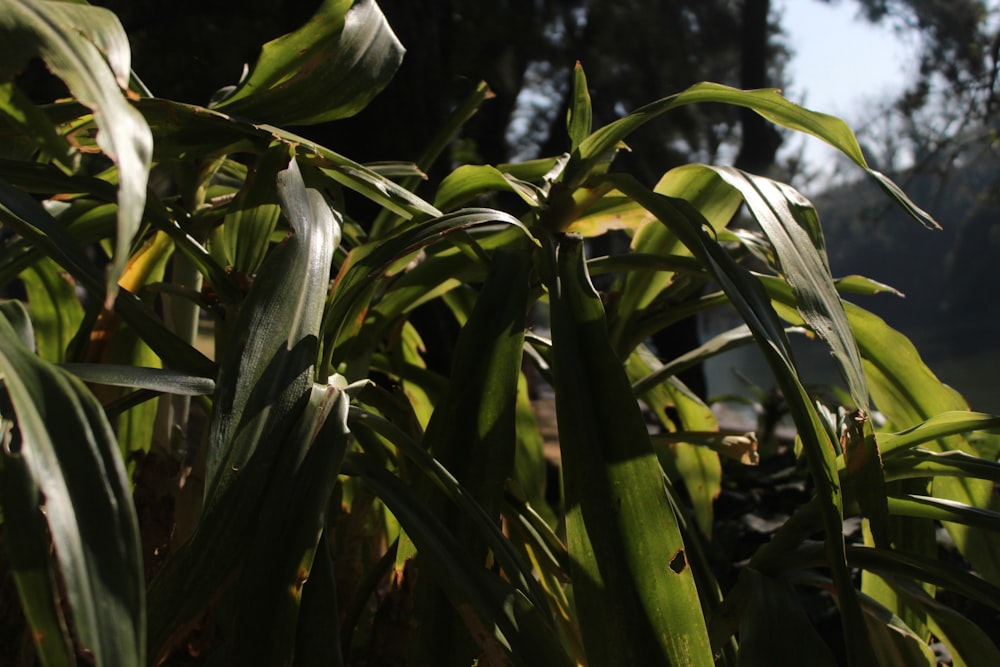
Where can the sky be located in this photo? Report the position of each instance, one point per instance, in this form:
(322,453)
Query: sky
(840,64)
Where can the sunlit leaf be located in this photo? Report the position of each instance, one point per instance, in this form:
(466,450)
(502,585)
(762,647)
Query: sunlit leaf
(329,68)
(908,393)
(579,116)
(253,216)
(748,297)
(32,121)
(698,468)
(792,226)
(600,147)
(55,309)
(617,511)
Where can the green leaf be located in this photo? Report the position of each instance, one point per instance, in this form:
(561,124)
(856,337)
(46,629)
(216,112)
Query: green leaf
(749,298)
(435,147)
(55,308)
(698,467)
(774,628)
(908,393)
(922,463)
(30,560)
(792,226)
(894,642)
(329,68)
(69,451)
(293,515)
(953,422)
(154,379)
(21,212)
(701,188)
(268,371)
(472,431)
(970,646)
(87,48)
(253,216)
(938,509)
(723,342)
(893,563)
(471,180)
(578,121)
(368,263)
(488,529)
(32,121)
(618,517)
(183,130)
(366,182)
(502,620)
(316,645)
(264,385)
(599,148)
(45,179)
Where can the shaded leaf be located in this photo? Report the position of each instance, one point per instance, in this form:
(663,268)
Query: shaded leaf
(30,559)
(69,451)
(501,620)
(293,515)
(154,379)
(970,646)
(472,431)
(774,628)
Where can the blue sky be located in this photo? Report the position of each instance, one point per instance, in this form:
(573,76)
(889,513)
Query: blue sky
(841,63)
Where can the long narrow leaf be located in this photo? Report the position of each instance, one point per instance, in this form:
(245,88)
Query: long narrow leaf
(155,379)
(70,452)
(600,146)
(472,431)
(269,370)
(264,384)
(791,224)
(88,49)
(506,623)
(293,515)
(329,68)
(30,557)
(753,304)
(618,516)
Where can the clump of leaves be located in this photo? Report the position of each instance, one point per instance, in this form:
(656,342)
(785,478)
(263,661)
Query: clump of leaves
(310,491)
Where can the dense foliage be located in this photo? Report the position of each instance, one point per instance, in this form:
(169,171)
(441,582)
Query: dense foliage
(306,490)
